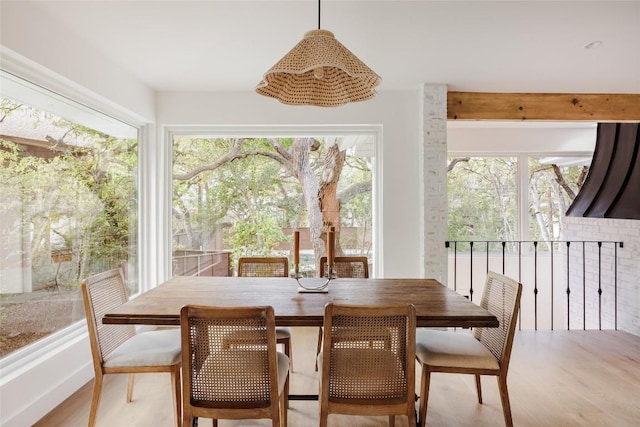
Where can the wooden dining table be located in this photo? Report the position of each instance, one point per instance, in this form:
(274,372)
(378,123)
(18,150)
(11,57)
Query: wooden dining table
(436,305)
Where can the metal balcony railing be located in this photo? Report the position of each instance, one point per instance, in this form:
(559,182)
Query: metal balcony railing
(582,273)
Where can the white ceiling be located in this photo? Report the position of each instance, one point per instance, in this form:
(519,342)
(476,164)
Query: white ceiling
(505,46)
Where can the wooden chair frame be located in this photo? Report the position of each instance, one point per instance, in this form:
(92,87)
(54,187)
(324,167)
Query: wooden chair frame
(100,351)
(276,409)
(375,405)
(502,354)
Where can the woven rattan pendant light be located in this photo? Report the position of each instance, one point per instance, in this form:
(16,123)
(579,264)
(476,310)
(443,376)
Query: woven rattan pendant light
(319,71)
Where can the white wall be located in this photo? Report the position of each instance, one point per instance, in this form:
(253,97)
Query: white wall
(34,47)
(518,137)
(398,112)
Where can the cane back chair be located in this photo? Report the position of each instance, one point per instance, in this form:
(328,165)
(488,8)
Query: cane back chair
(117,349)
(222,381)
(358,378)
(485,352)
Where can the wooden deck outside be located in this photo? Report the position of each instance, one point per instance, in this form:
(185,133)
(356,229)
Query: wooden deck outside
(559,378)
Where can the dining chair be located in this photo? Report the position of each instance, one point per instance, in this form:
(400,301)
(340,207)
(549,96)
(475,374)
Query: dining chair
(232,382)
(269,267)
(263,267)
(117,349)
(486,351)
(346,267)
(357,378)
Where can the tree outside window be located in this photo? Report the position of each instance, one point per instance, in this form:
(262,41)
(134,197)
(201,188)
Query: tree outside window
(484,200)
(239,196)
(68,209)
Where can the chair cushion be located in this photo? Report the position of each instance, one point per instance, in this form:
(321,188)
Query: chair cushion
(283,333)
(154,348)
(452,349)
(283,370)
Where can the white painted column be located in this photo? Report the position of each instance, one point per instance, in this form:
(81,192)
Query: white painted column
(434,181)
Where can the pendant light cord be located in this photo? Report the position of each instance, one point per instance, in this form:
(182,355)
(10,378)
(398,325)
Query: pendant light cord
(318,14)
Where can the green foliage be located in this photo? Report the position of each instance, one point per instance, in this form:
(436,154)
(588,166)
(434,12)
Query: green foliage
(483,203)
(81,199)
(257,236)
(228,196)
(250,199)
(483,199)
(548,200)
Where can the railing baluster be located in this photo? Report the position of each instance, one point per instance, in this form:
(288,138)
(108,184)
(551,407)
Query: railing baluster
(487,245)
(535,285)
(455,264)
(568,289)
(552,246)
(520,278)
(471,270)
(447,245)
(600,286)
(615,283)
(584,287)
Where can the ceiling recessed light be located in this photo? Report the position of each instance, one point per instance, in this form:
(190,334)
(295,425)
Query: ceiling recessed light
(593,45)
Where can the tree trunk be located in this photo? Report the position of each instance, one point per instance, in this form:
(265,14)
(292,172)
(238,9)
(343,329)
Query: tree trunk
(301,150)
(328,191)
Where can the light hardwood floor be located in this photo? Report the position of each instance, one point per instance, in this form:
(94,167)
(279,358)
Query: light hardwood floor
(556,379)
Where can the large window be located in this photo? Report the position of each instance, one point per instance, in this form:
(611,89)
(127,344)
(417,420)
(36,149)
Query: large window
(512,198)
(68,208)
(235,196)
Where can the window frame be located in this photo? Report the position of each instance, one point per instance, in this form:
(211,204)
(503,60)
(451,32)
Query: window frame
(522,175)
(53,96)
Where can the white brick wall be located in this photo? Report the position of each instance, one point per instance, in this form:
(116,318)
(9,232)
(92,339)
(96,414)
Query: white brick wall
(434,173)
(628,269)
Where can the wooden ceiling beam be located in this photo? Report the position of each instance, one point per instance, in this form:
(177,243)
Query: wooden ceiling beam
(543,106)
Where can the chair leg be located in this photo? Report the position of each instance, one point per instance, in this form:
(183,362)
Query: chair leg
(286,392)
(287,351)
(412,416)
(95,400)
(176,385)
(130,387)
(392,420)
(283,409)
(318,346)
(275,417)
(187,420)
(324,415)
(424,395)
(479,388)
(504,397)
